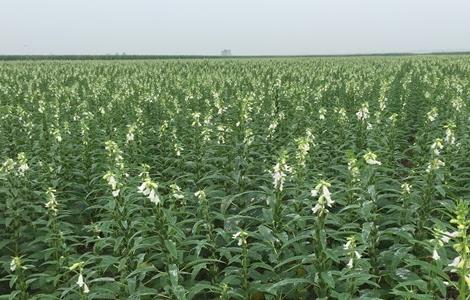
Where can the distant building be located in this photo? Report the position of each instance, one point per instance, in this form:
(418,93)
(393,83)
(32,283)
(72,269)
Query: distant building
(226,52)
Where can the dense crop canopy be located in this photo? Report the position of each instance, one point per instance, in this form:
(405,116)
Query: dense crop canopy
(305,178)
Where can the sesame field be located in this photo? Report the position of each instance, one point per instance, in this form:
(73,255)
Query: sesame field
(260,178)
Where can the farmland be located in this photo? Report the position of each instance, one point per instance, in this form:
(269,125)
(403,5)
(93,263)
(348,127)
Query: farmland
(282,178)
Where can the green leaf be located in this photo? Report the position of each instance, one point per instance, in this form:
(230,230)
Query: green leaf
(289,281)
(171,247)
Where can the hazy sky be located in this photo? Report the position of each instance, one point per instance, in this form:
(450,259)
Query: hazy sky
(244,26)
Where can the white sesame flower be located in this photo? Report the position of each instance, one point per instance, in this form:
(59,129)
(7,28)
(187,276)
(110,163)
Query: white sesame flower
(154,197)
(445,239)
(280,171)
(353,169)
(457,104)
(272,127)
(450,138)
(13,264)
(437,146)
(350,246)
(363,113)
(80,281)
(446,236)
(129,137)
(142,188)
(115,153)
(371,159)
(393,118)
(324,198)
(23,168)
(432,115)
(41,106)
(23,164)
(51,203)
(111,179)
(327,195)
(235,236)
(9,165)
(196,119)
(321,113)
(56,133)
(314,193)
(303,147)
(86,290)
(435,255)
(149,188)
(241,237)
(176,191)
(112,182)
(201,195)
(435,164)
(406,188)
(318,207)
(130,133)
(456,264)
(177,149)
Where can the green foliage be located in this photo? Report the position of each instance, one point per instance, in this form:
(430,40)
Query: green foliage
(300,178)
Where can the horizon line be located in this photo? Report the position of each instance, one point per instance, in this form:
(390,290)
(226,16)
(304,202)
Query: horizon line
(128,55)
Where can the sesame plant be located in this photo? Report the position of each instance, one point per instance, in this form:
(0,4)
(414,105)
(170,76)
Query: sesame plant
(286,178)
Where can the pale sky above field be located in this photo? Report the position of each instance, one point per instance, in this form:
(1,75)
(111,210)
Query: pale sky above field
(247,27)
